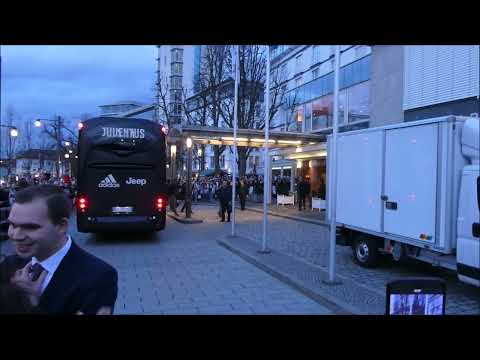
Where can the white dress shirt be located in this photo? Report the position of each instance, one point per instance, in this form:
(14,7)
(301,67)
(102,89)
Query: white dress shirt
(51,264)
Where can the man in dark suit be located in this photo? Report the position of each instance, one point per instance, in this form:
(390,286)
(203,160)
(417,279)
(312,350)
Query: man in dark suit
(74,280)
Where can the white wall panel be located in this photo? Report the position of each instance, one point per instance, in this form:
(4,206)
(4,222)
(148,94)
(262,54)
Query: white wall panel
(437,74)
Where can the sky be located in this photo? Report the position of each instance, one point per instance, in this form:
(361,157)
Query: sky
(44,81)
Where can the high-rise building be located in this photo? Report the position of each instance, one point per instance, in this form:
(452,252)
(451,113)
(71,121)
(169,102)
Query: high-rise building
(176,77)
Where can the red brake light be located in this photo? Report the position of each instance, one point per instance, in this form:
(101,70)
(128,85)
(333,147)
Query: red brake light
(82,203)
(160,204)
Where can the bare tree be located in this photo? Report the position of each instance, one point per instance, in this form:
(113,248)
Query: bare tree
(11,116)
(27,135)
(163,106)
(251,108)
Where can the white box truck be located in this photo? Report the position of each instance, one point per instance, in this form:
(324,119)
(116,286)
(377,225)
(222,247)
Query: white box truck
(411,190)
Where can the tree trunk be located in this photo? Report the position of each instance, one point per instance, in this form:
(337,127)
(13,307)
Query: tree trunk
(216,153)
(202,158)
(242,160)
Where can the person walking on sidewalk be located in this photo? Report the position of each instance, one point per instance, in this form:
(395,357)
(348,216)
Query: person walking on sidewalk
(242,193)
(225,200)
(302,193)
(172,196)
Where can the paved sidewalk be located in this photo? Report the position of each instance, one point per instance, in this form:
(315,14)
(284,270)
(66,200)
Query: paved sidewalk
(290,212)
(345,298)
(306,246)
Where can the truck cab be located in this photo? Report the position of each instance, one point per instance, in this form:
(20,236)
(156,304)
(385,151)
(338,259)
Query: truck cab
(468,220)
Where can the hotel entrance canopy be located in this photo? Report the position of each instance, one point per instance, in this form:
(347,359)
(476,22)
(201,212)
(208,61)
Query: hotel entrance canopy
(211,135)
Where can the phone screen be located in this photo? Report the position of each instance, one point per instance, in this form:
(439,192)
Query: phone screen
(416,296)
(416,304)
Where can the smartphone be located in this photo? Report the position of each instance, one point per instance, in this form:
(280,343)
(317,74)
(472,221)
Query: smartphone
(416,296)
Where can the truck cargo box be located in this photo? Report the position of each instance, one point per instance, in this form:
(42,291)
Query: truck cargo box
(401,181)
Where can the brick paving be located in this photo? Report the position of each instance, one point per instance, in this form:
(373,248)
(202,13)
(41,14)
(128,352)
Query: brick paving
(308,243)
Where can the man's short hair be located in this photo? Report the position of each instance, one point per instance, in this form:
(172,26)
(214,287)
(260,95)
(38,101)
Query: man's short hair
(58,204)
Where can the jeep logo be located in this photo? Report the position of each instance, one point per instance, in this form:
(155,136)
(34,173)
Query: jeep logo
(131,181)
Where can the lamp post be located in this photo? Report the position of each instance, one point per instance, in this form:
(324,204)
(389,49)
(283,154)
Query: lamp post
(13,134)
(58,126)
(188,195)
(200,160)
(173,159)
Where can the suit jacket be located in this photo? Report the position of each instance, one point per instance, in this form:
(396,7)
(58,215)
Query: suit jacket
(82,282)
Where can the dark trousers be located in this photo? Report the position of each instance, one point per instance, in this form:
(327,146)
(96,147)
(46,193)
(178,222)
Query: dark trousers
(173,203)
(242,202)
(226,208)
(301,202)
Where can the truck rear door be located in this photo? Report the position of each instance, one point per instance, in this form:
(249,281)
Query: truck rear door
(411,182)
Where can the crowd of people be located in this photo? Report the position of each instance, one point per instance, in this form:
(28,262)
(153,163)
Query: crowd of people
(249,187)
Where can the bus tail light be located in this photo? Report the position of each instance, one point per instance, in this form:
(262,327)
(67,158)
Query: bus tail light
(160,203)
(82,204)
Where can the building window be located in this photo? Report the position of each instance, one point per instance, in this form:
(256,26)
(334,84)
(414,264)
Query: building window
(176,82)
(315,73)
(322,112)
(298,81)
(177,68)
(308,117)
(321,53)
(283,72)
(177,55)
(358,99)
(222,161)
(298,64)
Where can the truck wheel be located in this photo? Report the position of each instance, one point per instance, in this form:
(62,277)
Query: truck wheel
(365,251)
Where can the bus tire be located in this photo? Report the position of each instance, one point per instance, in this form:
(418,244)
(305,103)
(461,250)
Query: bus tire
(365,251)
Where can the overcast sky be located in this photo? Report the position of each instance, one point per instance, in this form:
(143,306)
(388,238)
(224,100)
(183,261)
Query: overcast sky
(43,81)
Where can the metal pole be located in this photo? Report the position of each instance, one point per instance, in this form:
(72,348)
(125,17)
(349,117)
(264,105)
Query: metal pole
(333,162)
(235,119)
(1,138)
(266,167)
(157,105)
(189,184)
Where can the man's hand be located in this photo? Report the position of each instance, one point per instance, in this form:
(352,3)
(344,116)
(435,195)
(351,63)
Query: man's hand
(104,310)
(33,289)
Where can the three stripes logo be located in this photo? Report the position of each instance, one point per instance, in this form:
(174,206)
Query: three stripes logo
(109,182)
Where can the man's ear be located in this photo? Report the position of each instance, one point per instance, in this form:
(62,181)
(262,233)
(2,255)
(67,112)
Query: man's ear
(62,226)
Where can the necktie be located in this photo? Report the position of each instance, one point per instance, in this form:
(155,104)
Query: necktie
(35,271)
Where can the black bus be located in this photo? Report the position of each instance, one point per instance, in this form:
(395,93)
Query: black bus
(121,175)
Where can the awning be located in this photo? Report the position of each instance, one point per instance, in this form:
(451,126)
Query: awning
(211,135)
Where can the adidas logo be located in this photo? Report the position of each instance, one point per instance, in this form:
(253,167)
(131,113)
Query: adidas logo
(109,182)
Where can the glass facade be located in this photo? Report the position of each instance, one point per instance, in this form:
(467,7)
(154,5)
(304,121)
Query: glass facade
(316,99)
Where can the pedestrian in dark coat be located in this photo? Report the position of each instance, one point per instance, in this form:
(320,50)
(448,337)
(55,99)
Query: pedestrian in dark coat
(242,194)
(225,200)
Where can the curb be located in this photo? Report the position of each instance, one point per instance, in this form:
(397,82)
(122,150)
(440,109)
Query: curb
(184,220)
(338,307)
(296,218)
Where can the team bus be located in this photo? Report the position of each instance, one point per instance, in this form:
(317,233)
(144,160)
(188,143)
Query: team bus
(121,175)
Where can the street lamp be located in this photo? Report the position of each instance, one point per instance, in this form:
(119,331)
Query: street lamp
(173,152)
(13,134)
(188,199)
(67,143)
(67,156)
(38,123)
